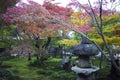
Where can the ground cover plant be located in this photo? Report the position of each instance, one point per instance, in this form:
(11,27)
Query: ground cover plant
(51,70)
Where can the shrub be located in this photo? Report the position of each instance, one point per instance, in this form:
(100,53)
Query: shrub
(68,43)
(117,29)
(110,40)
(6,75)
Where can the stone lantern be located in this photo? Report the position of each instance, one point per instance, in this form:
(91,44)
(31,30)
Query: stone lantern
(84,67)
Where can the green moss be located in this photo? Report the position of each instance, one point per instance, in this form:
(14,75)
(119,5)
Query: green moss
(21,70)
(50,70)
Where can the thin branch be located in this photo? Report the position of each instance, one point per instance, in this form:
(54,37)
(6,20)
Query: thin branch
(93,13)
(80,5)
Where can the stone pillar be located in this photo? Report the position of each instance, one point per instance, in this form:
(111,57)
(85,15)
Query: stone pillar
(84,77)
(84,62)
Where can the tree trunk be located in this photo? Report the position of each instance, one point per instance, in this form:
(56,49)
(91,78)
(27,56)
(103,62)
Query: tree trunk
(114,73)
(1,62)
(29,57)
(47,43)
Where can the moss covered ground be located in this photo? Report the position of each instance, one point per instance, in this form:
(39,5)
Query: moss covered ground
(50,70)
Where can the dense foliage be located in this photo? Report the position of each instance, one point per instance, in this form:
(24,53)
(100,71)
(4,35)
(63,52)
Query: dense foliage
(68,43)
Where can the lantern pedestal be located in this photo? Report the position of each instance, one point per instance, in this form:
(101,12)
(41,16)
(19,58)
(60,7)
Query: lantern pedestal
(85,73)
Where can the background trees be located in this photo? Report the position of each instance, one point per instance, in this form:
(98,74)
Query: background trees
(36,21)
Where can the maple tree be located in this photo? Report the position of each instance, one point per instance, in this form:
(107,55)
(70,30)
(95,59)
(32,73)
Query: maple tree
(32,17)
(32,22)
